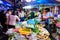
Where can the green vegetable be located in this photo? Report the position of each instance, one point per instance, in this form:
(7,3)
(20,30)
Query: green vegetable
(36,30)
(58,19)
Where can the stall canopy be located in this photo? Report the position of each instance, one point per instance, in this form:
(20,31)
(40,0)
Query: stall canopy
(37,3)
(46,2)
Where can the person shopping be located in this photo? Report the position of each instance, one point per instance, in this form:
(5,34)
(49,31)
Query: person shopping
(22,15)
(12,20)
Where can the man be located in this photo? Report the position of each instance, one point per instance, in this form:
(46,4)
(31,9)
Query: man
(49,16)
(32,15)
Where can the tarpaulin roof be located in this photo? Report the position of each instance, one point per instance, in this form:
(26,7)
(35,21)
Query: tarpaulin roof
(46,2)
(5,3)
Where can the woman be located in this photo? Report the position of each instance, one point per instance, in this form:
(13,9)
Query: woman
(12,20)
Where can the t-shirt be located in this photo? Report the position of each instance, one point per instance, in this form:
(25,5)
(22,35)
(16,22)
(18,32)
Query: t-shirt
(7,18)
(55,16)
(49,14)
(59,16)
(11,20)
(22,14)
(32,15)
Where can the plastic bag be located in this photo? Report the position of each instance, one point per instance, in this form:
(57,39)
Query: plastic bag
(35,30)
(10,31)
(33,36)
(58,19)
(31,22)
(30,26)
(17,36)
(18,24)
(16,30)
(58,24)
(25,31)
(36,20)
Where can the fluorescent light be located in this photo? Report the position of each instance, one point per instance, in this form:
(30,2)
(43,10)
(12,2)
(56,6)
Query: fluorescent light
(33,0)
(28,0)
(1,2)
(8,4)
(27,7)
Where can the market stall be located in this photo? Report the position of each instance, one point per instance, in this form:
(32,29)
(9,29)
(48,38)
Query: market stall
(34,26)
(29,30)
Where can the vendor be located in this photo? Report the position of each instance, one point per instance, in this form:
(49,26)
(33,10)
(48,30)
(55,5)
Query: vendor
(49,16)
(32,15)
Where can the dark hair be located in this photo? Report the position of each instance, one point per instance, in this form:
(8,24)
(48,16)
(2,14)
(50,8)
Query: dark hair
(13,13)
(47,9)
(2,17)
(2,12)
(9,10)
(39,10)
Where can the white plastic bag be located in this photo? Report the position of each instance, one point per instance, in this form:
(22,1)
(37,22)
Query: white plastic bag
(33,37)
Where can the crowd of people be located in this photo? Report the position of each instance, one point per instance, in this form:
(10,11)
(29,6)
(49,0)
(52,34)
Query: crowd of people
(8,19)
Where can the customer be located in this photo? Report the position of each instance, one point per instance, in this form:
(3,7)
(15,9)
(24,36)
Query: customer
(12,20)
(3,20)
(22,15)
(17,12)
(9,12)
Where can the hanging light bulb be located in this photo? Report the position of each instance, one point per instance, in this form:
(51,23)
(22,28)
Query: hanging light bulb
(27,7)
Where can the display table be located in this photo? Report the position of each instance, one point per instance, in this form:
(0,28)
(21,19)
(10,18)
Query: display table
(29,30)
(43,35)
